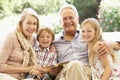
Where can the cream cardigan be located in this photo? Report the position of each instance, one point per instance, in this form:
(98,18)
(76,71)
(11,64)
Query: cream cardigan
(11,54)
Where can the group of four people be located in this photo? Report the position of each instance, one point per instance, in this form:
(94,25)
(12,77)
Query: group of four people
(84,50)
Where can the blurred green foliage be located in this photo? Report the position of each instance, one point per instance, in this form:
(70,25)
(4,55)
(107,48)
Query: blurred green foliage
(86,8)
(106,11)
(10,10)
(109,15)
(9,7)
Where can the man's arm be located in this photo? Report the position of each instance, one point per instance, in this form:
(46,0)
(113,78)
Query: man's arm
(103,48)
(116,45)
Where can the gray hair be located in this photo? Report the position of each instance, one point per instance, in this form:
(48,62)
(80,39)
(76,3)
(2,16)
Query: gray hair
(25,12)
(69,6)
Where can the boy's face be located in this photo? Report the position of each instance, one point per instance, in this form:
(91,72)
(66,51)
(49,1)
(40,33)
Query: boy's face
(45,39)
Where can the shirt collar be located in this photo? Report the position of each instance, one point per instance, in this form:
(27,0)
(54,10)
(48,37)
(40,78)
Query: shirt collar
(39,48)
(76,35)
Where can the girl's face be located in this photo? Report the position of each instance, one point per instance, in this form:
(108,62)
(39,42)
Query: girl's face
(29,26)
(88,33)
(45,39)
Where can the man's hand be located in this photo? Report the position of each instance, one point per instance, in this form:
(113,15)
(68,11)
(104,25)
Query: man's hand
(102,48)
(55,71)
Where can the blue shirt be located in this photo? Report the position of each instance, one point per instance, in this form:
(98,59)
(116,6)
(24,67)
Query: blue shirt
(71,50)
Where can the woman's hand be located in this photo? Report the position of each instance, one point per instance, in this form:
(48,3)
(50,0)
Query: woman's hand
(36,70)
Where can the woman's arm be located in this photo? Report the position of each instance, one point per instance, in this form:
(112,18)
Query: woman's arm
(7,49)
(10,69)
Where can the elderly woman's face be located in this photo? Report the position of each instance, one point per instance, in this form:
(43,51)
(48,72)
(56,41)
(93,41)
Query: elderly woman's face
(29,25)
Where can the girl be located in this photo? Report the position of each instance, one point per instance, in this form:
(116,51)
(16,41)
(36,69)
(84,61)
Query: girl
(103,66)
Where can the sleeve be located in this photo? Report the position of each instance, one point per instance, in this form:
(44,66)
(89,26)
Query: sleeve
(5,51)
(55,58)
(118,42)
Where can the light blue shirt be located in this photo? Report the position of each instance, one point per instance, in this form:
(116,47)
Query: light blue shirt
(71,50)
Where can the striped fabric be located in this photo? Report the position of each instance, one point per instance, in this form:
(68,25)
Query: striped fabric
(44,57)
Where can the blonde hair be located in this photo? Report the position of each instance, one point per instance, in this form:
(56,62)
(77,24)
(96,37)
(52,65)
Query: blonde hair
(25,12)
(69,6)
(98,36)
(96,26)
(47,29)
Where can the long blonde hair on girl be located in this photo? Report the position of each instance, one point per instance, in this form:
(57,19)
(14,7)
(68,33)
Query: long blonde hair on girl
(98,37)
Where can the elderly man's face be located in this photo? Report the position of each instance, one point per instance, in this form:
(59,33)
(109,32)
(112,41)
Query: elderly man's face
(69,20)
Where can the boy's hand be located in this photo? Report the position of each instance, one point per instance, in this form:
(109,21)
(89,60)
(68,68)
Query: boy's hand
(52,49)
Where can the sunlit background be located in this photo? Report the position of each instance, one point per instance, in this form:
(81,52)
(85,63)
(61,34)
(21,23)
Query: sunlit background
(106,11)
